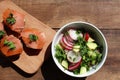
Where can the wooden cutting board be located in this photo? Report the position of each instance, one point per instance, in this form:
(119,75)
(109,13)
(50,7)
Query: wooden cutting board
(30,63)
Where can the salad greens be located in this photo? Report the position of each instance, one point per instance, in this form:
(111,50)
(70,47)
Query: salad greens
(60,53)
(87,51)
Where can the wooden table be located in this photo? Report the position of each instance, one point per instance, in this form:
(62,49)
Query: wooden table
(105,14)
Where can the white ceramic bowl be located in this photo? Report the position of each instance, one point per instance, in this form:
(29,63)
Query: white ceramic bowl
(97,35)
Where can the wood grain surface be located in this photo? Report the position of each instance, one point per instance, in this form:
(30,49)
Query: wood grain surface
(105,14)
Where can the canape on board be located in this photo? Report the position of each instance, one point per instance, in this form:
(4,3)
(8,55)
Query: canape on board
(33,38)
(14,20)
(11,45)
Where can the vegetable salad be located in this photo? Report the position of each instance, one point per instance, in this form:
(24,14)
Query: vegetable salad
(77,51)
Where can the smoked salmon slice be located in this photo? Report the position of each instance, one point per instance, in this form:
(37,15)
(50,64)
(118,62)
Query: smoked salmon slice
(11,45)
(14,20)
(33,38)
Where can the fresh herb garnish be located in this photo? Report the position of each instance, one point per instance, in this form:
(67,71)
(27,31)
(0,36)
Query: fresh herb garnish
(11,20)
(76,71)
(33,37)
(2,33)
(10,44)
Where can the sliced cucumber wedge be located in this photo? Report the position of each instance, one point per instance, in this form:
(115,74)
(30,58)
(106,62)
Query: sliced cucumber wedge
(92,54)
(83,70)
(65,64)
(92,45)
(76,46)
(76,50)
(90,39)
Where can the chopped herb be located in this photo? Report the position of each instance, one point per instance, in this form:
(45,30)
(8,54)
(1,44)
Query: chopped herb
(10,44)
(11,20)
(12,47)
(33,37)
(6,42)
(2,33)
(76,71)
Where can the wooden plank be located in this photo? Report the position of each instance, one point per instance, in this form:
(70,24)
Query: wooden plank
(25,62)
(55,13)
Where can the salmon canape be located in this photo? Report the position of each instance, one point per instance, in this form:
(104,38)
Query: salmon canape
(14,20)
(11,45)
(33,38)
(2,32)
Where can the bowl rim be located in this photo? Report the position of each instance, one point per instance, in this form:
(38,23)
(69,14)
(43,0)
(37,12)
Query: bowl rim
(66,71)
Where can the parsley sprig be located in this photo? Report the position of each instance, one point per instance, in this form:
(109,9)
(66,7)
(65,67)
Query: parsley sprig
(11,20)
(10,44)
(2,33)
(33,37)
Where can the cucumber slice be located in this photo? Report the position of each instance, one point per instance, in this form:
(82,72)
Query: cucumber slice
(76,50)
(90,53)
(76,46)
(83,70)
(65,64)
(92,45)
(93,62)
(94,56)
(90,39)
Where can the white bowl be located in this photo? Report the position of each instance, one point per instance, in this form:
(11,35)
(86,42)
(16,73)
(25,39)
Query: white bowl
(97,35)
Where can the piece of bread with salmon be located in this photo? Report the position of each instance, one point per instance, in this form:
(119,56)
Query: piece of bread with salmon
(10,46)
(14,20)
(33,38)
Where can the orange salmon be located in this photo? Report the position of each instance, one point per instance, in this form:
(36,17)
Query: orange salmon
(33,38)
(11,45)
(14,20)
